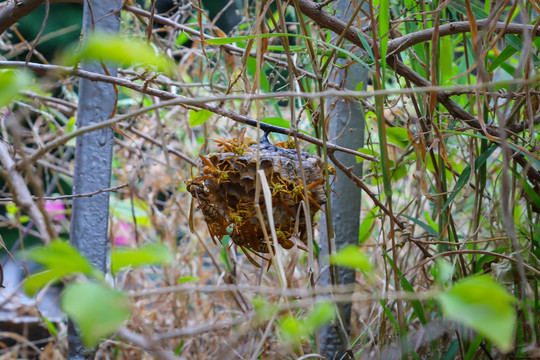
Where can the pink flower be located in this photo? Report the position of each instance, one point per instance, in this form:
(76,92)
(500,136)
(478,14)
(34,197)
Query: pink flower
(123,234)
(56,209)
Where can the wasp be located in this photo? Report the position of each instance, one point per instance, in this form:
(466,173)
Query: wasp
(221,175)
(237,146)
(297,194)
(289,144)
(249,239)
(217,226)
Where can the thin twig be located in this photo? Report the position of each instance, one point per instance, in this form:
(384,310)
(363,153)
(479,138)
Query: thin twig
(65,197)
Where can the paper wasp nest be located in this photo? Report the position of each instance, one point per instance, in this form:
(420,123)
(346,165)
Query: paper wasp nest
(225,191)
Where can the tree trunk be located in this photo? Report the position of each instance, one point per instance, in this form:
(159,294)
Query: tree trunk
(346,126)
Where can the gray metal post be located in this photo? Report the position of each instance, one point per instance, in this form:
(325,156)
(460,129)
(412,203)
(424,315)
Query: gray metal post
(347,127)
(93,156)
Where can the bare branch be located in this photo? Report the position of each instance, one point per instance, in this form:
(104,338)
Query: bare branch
(398,45)
(15,10)
(64,197)
(20,192)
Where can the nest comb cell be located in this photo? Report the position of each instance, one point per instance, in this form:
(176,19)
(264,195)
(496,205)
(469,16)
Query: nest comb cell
(225,192)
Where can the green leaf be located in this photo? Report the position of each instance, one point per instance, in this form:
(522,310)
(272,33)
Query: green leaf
(277,121)
(430,230)
(145,255)
(466,173)
(366,226)
(38,280)
(459,6)
(452,350)
(398,136)
(484,305)
(446,62)
(60,256)
(473,348)
(503,56)
(263,80)
(11,82)
(59,259)
(123,51)
(185,279)
(384,26)
(416,304)
(96,310)
(442,271)
(366,47)
(293,329)
(513,40)
(351,256)
(367,152)
(224,252)
(199,117)
(321,314)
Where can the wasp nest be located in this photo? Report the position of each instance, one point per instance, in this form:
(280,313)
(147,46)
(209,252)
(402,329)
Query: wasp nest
(225,191)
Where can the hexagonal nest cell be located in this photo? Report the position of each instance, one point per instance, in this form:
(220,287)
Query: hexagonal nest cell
(225,192)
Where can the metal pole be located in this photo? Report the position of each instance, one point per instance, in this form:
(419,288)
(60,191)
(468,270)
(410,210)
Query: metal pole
(93,156)
(347,127)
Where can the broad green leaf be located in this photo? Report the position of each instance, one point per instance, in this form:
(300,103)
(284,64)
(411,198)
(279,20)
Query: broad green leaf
(442,271)
(123,51)
(38,280)
(513,40)
(503,56)
(484,305)
(321,314)
(446,62)
(367,152)
(398,136)
(293,329)
(230,40)
(96,310)
(185,279)
(263,80)
(11,82)
(60,259)
(366,226)
(351,256)
(199,117)
(359,86)
(60,256)
(146,255)
(277,121)
(466,173)
(182,38)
